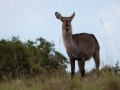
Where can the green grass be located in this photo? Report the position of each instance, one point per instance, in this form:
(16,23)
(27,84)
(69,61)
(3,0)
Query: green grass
(105,81)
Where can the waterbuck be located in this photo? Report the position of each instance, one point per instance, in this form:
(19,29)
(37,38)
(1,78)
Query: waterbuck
(80,47)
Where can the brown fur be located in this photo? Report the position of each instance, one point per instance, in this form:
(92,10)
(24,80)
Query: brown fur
(79,47)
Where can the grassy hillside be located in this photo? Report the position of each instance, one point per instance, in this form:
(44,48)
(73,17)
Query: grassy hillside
(106,80)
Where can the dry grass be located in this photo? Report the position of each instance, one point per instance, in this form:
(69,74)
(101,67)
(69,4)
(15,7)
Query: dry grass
(105,81)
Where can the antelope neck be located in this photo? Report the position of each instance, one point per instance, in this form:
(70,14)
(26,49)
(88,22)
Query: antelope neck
(67,38)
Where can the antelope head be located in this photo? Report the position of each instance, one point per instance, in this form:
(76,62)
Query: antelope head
(66,22)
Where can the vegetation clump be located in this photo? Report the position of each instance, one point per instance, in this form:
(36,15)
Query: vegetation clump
(28,59)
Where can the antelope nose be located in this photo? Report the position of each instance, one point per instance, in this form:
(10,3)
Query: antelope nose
(67,29)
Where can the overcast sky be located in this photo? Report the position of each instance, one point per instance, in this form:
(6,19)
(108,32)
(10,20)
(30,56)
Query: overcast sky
(31,19)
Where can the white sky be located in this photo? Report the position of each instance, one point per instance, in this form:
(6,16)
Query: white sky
(31,19)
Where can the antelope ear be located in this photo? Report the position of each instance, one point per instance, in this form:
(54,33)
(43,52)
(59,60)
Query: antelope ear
(58,16)
(72,16)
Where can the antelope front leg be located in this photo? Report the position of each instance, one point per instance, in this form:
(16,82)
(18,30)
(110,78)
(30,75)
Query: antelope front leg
(81,65)
(72,62)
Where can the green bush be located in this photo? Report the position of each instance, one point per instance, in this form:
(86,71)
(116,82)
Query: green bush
(19,58)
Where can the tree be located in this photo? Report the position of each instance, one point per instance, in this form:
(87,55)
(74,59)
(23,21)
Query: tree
(30,58)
